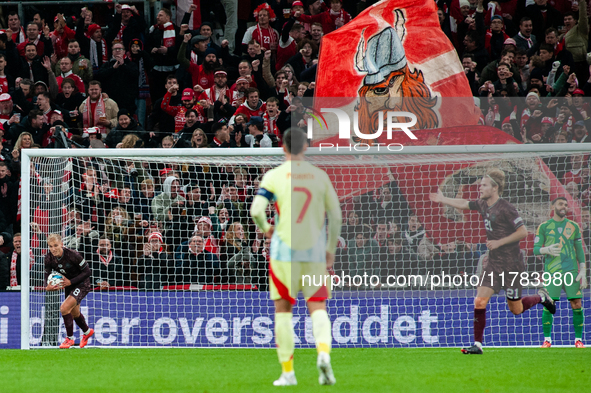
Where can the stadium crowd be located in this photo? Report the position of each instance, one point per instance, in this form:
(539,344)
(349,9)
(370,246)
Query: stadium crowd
(102,78)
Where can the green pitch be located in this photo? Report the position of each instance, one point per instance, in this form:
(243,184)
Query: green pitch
(253,370)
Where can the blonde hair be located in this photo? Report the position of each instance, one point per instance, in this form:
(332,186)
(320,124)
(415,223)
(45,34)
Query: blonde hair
(54,237)
(199,131)
(497,177)
(19,141)
(230,236)
(129,141)
(146,183)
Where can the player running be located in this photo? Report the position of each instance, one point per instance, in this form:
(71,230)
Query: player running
(303,194)
(560,240)
(76,283)
(504,229)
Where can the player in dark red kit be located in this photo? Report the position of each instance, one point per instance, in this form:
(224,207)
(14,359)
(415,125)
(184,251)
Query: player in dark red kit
(76,282)
(504,229)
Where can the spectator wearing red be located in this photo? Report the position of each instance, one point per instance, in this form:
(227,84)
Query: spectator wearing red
(577,162)
(262,32)
(203,228)
(331,19)
(291,34)
(239,90)
(253,106)
(61,36)
(179,112)
(202,75)
(66,72)
(275,121)
(43,44)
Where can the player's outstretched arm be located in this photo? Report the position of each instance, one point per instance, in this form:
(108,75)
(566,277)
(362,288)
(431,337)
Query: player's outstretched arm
(461,204)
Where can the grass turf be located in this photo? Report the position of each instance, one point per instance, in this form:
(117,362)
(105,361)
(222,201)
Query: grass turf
(253,370)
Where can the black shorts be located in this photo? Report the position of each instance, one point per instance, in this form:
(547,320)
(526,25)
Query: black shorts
(505,275)
(79,291)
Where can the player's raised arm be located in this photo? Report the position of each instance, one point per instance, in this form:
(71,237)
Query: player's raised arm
(461,204)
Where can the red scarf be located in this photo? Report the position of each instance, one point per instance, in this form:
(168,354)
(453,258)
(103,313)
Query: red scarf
(99,111)
(19,37)
(119,35)
(168,35)
(213,94)
(268,37)
(270,125)
(102,258)
(13,278)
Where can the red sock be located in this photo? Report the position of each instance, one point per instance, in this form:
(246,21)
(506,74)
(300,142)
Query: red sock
(81,322)
(530,301)
(479,323)
(68,321)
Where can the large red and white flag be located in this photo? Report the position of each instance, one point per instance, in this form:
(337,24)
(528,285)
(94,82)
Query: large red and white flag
(182,7)
(391,50)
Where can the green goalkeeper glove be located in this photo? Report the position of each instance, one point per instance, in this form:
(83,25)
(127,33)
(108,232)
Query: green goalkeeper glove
(553,250)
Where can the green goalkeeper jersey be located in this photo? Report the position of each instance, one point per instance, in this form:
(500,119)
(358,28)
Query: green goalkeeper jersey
(568,234)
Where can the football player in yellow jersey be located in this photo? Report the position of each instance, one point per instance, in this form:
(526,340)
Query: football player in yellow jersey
(559,239)
(301,251)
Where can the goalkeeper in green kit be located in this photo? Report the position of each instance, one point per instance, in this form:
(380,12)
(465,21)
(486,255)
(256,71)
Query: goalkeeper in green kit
(560,240)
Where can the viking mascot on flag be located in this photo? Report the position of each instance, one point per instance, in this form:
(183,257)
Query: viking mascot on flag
(393,57)
(389,80)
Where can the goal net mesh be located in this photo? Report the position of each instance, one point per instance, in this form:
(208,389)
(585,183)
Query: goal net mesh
(176,259)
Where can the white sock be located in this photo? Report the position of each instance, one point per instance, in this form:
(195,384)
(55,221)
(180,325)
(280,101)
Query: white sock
(71,338)
(478,344)
(549,339)
(86,332)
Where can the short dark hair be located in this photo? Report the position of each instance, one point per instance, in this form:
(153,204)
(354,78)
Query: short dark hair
(294,140)
(273,99)
(216,127)
(34,113)
(252,90)
(524,19)
(570,13)
(468,55)
(95,82)
(560,198)
(11,13)
(551,30)
(167,12)
(193,111)
(46,95)
(30,44)
(548,48)
(508,50)
(521,52)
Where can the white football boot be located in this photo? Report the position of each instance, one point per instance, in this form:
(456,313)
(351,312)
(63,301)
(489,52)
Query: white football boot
(325,377)
(286,379)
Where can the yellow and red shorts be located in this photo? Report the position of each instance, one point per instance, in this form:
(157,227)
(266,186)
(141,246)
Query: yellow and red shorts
(288,278)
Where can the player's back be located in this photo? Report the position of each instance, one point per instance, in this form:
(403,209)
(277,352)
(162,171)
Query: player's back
(302,194)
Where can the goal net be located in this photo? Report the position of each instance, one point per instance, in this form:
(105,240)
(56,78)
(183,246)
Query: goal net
(177,261)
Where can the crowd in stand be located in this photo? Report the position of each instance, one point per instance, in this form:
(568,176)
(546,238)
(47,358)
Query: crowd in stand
(107,80)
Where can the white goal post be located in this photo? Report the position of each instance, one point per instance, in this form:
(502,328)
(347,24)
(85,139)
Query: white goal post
(390,229)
